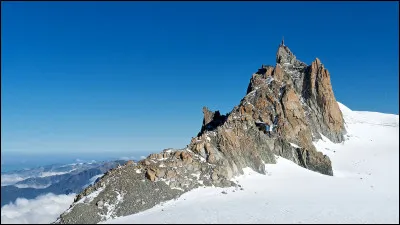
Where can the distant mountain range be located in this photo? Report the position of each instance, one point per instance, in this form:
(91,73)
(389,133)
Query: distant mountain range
(56,179)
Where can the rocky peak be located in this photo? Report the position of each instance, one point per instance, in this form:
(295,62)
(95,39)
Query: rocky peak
(284,55)
(298,99)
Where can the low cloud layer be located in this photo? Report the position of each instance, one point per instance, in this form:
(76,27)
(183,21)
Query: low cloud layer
(49,174)
(36,186)
(8,179)
(128,158)
(43,209)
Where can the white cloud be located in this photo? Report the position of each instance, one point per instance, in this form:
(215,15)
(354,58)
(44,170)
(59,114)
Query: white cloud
(8,179)
(49,174)
(142,157)
(127,158)
(36,186)
(43,209)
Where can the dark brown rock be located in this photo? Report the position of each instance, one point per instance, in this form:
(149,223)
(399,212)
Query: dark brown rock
(151,174)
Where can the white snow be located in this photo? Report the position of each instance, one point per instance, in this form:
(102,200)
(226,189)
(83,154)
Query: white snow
(294,145)
(269,80)
(202,159)
(253,92)
(196,175)
(91,196)
(364,188)
(177,188)
(302,101)
(92,180)
(165,181)
(111,207)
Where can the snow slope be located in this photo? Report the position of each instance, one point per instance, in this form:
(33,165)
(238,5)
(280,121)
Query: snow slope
(364,188)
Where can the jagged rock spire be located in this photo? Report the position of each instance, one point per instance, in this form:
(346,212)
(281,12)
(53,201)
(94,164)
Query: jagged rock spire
(284,55)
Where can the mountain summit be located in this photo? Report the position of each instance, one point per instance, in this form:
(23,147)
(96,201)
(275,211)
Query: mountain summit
(294,97)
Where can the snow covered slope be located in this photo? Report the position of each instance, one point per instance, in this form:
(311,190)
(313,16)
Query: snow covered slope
(364,188)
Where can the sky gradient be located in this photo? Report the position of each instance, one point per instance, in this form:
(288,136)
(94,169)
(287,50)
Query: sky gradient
(130,78)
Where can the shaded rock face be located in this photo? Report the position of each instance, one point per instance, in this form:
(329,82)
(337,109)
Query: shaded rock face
(318,94)
(211,119)
(297,98)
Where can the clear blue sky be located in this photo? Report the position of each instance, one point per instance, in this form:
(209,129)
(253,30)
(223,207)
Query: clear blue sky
(129,77)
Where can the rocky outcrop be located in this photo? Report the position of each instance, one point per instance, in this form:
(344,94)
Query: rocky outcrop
(211,119)
(318,94)
(297,98)
(132,188)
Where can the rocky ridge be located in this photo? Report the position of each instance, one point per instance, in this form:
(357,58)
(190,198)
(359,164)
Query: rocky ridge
(296,96)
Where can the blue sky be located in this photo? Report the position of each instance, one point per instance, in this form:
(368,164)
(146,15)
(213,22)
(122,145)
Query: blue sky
(132,77)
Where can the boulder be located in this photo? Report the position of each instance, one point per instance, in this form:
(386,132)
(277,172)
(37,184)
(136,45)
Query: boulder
(151,175)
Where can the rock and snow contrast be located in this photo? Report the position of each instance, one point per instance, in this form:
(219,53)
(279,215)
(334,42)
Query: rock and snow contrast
(364,187)
(322,163)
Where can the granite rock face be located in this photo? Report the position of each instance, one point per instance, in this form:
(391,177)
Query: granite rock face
(318,94)
(296,97)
